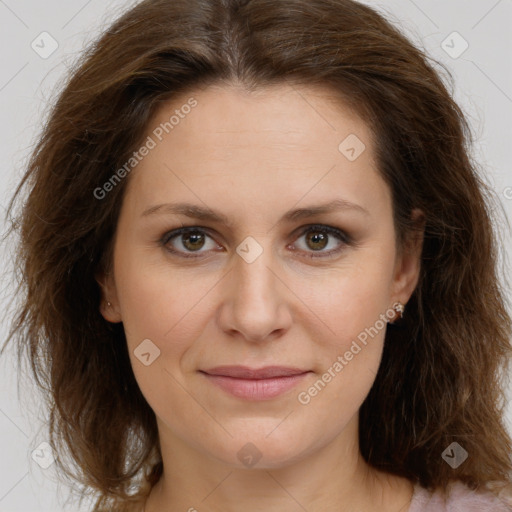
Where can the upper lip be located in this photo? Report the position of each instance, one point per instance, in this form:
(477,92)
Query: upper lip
(244,372)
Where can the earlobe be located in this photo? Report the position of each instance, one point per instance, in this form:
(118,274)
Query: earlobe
(109,306)
(409,262)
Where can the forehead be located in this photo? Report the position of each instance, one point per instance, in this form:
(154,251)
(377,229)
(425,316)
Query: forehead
(280,141)
(292,113)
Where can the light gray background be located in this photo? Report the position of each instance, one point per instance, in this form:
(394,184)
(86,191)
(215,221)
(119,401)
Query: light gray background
(483,87)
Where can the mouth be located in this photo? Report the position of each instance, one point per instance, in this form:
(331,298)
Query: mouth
(255,384)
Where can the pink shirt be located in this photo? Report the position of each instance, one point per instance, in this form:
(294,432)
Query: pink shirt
(459,498)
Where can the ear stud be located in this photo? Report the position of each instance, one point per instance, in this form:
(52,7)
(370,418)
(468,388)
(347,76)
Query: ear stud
(399,309)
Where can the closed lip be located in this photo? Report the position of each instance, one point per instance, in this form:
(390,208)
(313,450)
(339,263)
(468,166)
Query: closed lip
(245,372)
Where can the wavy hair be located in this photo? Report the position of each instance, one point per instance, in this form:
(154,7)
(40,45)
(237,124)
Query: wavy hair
(442,373)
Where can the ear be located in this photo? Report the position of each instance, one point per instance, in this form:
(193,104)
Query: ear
(408,262)
(109,304)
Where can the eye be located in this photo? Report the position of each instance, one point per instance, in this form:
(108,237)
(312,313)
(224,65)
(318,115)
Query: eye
(319,237)
(188,240)
(194,241)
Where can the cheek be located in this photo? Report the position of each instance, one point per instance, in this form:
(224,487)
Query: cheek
(349,361)
(154,297)
(352,303)
(161,304)
(351,297)
(155,308)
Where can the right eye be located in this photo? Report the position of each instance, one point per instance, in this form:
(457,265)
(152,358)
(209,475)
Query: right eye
(186,241)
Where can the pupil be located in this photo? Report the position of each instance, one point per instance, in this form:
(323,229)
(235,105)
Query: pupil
(318,238)
(193,239)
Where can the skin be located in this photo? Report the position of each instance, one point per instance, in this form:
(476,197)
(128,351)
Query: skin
(253,157)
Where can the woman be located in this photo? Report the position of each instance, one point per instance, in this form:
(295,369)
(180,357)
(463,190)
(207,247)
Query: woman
(259,269)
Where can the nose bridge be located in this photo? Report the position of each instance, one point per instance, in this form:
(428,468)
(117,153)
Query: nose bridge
(255,306)
(255,283)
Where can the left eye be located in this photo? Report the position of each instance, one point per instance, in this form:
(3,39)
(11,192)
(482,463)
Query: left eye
(188,240)
(317,238)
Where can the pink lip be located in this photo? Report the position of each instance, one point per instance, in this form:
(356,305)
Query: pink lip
(255,384)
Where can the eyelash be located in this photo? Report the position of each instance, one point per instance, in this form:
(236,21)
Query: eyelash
(318,228)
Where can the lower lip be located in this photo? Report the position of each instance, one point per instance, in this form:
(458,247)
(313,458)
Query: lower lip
(256,389)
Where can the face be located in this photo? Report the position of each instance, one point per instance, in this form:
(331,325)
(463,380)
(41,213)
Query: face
(283,261)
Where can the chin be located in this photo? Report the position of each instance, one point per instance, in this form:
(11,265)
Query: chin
(262,451)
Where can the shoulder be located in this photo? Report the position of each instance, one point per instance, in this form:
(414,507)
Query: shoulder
(458,498)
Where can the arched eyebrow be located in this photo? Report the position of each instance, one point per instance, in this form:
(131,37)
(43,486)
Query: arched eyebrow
(206,214)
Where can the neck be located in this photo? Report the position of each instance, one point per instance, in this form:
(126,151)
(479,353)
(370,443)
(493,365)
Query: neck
(333,478)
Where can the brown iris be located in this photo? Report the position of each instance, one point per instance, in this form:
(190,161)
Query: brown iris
(193,241)
(317,239)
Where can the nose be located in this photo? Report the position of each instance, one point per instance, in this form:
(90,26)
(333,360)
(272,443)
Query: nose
(255,301)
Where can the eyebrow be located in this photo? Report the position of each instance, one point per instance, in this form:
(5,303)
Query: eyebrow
(204,213)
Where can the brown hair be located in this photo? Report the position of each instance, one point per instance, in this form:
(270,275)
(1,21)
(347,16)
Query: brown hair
(441,376)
